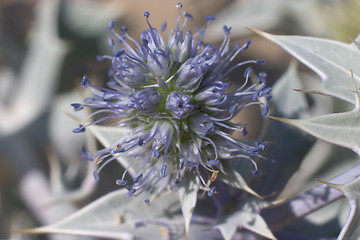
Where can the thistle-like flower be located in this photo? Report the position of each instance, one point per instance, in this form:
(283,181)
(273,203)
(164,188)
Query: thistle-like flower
(175,98)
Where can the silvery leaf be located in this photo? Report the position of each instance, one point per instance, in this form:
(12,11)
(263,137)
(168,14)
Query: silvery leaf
(351,190)
(331,60)
(247,217)
(337,128)
(115,216)
(188,195)
(289,103)
(38,75)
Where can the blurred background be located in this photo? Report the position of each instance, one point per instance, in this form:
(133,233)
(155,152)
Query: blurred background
(47,46)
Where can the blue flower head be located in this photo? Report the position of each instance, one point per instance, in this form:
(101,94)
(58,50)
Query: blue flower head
(176,98)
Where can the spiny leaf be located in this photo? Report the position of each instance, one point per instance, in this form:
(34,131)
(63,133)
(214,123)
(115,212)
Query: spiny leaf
(248,217)
(290,103)
(188,196)
(351,190)
(307,202)
(116,217)
(234,179)
(331,60)
(342,129)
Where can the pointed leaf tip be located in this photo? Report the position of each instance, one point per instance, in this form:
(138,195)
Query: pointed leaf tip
(280,119)
(188,197)
(332,185)
(322,56)
(254,30)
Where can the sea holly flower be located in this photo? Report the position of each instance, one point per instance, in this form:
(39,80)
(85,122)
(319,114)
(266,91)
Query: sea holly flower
(176,98)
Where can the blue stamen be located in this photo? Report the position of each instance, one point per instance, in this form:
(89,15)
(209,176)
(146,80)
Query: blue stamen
(111,25)
(163,26)
(226,29)
(120,150)
(210,18)
(99,58)
(131,192)
(111,42)
(163,170)
(233,108)
(85,154)
(244,131)
(211,191)
(213,162)
(156,153)
(80,129)
(181,164)
(121,182)
(191,164)
(264,110)
(138,178)
(248,72)
(85,82)
(188,15)
(179,5)
(77,106)
(247,44)
(209,129)
(96,176)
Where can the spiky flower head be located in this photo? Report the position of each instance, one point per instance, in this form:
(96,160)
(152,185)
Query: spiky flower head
(175,99)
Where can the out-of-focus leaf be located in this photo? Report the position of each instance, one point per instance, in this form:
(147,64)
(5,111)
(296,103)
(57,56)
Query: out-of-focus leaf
(325,166)
(37,194)
(61,126)
(351,190)
(91,20)
(116,217)
(331,60)
(107,135)
(267,14)
(290,103)
(188,196)
(288,145)
(248,217)
(203,231)
(233,178)
(307,202)
(36,81)
(342,129)
(305,175)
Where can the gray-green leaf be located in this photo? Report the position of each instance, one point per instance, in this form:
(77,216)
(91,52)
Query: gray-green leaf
(117,217)
(342,129)
(290,103)
(233,178)
(188,196)
(351,190)
(248,217)
(331,60)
